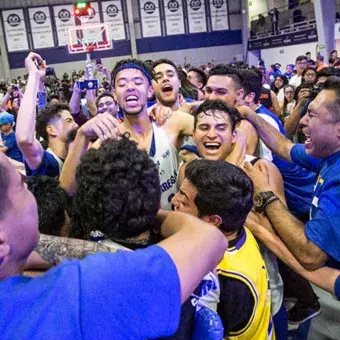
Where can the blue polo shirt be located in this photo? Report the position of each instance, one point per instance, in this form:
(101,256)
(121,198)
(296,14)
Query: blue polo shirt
(48,166)
(324,227)
(121,296)
(13,149)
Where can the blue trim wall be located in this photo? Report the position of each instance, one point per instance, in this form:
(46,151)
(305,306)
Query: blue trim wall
(146,45)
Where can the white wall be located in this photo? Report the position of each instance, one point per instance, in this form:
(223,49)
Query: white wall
(195,57)
(287,54)
(256,7)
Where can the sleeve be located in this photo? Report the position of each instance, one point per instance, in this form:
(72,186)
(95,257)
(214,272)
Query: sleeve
(337,288)
(79,117)
(136,294)
(42,100)
(299,156)
(323,228)
(48,166)
(10,141)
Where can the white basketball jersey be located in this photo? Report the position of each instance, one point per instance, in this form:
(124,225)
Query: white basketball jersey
(165,156)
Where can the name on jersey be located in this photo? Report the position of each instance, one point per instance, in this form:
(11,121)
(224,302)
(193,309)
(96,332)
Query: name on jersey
(168,184)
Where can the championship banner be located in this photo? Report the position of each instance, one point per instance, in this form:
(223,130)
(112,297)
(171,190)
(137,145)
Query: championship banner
(294,38)
(174,18)
(41,27)
(196,16)
(15,30)
(113,15)
(150,18)
(219,15)
(64,19)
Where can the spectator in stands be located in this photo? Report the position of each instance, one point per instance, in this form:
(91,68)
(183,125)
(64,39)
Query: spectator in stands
(310,61)
(261,23)
(105,103)
(9,144)
(278,66)
(277,87)
(197,77)
(300,65)
(273,72)
(333,58)
(274,13)
(54,98)
(320,62)
(309,75)
(171,261)
(53,124)
(288,103)
(212,190)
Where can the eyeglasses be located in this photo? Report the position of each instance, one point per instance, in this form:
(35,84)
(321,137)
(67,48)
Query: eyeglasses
(302,63)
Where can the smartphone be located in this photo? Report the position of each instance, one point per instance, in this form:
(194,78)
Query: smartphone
(98,61)
(88,84)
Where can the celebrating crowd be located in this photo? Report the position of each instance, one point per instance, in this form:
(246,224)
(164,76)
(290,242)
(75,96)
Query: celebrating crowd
(169,203)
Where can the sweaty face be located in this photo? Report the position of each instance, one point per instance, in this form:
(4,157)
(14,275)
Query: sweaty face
(107,104)
(213,135)
(166,85)
(183,201)
(319,128)
(193,79)
(132,91)
(22,234)
(224,88)
(64,125)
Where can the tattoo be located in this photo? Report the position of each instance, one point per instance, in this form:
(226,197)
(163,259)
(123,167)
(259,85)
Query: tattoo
(53,249)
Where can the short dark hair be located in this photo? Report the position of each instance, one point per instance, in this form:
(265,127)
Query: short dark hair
(4,185)
(53,96)
(326,72)
(222,189)
(300,58)
(105,94)
(122,64)
(251,82)
(48,112)
(309,68)
(214,105)
(117,190)
(228,71)
(333,84)
(52,201)
(308,53)
(202,78)
(164,61)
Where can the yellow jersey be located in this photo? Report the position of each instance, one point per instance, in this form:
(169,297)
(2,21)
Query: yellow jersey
(244,263)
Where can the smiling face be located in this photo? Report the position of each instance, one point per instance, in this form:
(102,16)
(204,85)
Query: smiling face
(132,90)
(289,93)
(167,84)
(213,135)
(322,133)
(107,105)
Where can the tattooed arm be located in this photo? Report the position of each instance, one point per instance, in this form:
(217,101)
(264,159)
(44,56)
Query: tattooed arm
(52,249)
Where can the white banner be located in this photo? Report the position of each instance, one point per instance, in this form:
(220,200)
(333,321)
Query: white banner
(41,27)
(174,19)
(219,15)
(337,31)
(15,30)
(196,16)
(64,19)
(113,15)
(150,18)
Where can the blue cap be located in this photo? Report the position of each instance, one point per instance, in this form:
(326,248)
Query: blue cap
(6,118)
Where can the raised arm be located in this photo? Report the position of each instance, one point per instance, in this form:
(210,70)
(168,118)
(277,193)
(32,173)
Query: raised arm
(187,236)
(25,127)
(276,105)
(90,102)
(274,140)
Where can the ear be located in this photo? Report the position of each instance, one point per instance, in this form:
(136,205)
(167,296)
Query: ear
(52,130)
(4,248)
(233,137)
(151,91)
(250,98)
(214,220)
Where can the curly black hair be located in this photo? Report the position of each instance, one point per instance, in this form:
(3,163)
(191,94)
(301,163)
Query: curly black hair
(218,105)
(50,111)
(52,201)
(222,189)
(117,190)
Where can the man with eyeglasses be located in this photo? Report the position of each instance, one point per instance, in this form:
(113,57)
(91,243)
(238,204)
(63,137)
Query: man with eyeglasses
(300,64)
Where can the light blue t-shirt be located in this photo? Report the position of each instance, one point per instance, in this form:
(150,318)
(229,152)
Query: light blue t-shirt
(121,296)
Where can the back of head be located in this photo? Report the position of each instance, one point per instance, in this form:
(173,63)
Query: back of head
(333,84)
(52,203)
(49,112)
(252,83)
(222,189)
(132,63)
(117,190)
(326,72)
(201,76)
(209,107)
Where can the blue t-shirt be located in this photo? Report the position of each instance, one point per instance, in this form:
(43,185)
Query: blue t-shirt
(11,143)
(324,227)
(337,288)
(298,182)
(48,166)
(126,295)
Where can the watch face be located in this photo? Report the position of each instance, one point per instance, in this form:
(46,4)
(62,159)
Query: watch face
(258,200)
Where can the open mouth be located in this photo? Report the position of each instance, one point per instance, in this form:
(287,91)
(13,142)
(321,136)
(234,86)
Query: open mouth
(308,138)
(167,89)
(132,99)
(212,146)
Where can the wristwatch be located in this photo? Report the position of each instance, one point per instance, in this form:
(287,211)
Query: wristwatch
(262,200)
